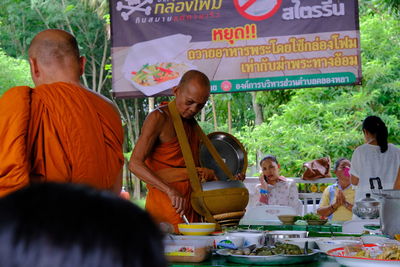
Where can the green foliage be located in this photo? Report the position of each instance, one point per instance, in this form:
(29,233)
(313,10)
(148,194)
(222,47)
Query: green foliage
(241,109)
(384,6)
(21,20)
(272,100)
(14,72)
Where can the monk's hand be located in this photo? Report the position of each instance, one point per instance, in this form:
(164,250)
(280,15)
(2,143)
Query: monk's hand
(177,201)
(240,176)
(206,174)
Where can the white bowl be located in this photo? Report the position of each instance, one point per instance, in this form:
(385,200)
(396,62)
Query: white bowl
(257,239)
(325,245)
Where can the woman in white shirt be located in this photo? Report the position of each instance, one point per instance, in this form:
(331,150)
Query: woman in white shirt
(275,189)
(375,158)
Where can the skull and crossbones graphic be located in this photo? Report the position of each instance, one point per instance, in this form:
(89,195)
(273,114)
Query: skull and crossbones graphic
(132,6)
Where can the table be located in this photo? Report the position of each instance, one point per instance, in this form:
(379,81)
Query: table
(323,261)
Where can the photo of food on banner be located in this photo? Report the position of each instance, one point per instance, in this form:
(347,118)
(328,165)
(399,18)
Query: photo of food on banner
(152,68)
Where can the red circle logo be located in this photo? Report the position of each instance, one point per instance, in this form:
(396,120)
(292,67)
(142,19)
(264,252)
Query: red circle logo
(226,86)
(257,9)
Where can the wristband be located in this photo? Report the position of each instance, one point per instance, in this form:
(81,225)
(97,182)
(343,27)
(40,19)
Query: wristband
(263,191)
(332,208)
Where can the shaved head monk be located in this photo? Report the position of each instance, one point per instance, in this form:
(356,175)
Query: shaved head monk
(58,131)
(157,158)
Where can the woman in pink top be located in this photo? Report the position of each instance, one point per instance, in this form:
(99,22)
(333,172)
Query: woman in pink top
(275,189)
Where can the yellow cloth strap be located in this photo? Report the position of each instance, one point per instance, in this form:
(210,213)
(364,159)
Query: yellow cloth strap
(189,161)
(186,150)
(214,153)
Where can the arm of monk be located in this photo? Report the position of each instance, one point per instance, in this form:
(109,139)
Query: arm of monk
(152,133)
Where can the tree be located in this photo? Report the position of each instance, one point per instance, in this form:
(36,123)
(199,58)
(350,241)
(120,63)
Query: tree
(14,72)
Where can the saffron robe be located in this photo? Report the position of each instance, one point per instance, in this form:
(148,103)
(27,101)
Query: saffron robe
(61,133)
(166,160)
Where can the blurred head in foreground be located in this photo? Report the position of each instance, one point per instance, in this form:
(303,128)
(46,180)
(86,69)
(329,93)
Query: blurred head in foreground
(57,225)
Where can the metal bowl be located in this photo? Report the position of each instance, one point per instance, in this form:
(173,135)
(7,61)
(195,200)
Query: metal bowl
(231,151)
(367,208)
(273,236)
(207,186)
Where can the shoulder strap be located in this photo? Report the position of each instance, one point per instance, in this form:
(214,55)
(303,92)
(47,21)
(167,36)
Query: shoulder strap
(184,143)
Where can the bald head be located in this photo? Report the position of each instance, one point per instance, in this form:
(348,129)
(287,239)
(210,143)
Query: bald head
(54,57)
(195,76)
(54,47)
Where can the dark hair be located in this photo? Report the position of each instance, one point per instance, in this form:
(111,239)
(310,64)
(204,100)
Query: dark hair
(375,125)
(62,225)
(337,163)
(269,157)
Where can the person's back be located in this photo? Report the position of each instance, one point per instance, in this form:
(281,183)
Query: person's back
(59,130)
(57,225)
(375,158)
(75,141)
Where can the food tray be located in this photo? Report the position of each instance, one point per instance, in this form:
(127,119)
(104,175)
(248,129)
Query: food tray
(269,260)
(151,53)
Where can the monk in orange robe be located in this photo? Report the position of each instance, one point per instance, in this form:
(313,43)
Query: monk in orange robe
(157,158)
(58,131)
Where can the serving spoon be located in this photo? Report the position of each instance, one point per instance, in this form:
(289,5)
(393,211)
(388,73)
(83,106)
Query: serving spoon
(185,219)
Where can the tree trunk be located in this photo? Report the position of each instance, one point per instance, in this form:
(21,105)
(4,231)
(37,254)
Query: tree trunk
(130,137)
(203,115)
(229,117)
(214,113)
(136,192)
(71,31)
(102,79)
(258,120)
(151,104)
(257,109)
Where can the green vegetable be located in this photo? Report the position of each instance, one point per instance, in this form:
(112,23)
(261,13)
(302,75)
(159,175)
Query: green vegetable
(311,216)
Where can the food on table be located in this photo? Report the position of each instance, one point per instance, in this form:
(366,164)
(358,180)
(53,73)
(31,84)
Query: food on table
(389,253)
(308,216)
(154,74)
(278,249)
(311,216)
(385,252)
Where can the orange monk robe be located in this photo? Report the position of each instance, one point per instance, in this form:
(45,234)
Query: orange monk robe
(60,133)
(163,159)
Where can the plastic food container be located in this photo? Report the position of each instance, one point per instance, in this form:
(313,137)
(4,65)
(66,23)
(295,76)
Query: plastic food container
(187,248)
(228,241)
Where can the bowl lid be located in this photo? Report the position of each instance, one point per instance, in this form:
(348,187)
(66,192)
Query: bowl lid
(368,201)
(231,151)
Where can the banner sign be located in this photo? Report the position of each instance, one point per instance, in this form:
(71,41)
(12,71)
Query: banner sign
(241,45)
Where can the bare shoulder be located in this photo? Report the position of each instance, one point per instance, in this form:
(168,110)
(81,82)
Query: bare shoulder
(155,121)
(159,115)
